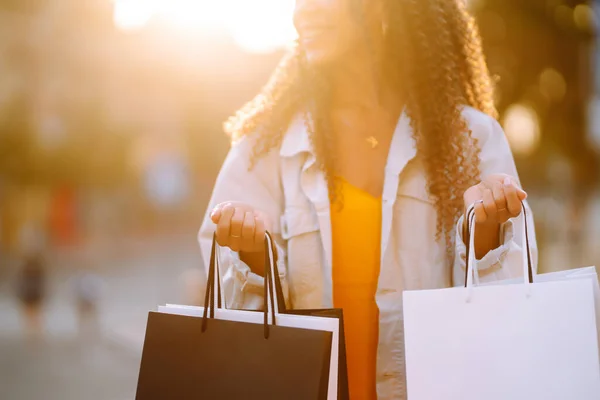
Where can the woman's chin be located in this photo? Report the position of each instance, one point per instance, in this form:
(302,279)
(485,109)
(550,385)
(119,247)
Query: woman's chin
(319,57)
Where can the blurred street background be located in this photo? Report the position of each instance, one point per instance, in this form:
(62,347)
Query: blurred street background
(111,138)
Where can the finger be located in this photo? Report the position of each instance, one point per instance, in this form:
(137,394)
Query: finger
(520,192)
(215,215)
(217,211)
(223,225)
(259,232)
(221,206)
(243,206)
(235,229)
(489,204)
(499,197)
(266,221)
(248,228)
(485,185)
(480,214)
(512,198)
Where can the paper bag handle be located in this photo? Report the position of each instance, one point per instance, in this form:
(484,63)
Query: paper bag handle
(471,264)
(272,283)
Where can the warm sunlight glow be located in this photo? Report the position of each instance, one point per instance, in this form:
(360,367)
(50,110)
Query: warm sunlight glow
(261,25)
(196,15)
(256,26)
(132,14)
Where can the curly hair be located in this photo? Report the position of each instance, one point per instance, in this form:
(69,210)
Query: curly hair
(432,54)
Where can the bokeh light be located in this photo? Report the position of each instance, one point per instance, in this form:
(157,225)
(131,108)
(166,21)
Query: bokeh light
(563,15)
(553,84)
(584,17)
(522,128)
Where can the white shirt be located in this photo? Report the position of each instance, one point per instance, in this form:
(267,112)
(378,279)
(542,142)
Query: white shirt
(288,185)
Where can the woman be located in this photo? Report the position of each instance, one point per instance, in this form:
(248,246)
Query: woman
(372,136)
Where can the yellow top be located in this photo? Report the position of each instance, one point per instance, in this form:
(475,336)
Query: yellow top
(356,240)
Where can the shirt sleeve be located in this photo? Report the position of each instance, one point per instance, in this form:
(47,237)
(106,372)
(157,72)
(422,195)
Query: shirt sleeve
(258,187)
(504,262)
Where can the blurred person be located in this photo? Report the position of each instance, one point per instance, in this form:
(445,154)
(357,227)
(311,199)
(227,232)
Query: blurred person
(371,138)
(87,288)
(63,215)
(31,291)
(32,277)
(167,187)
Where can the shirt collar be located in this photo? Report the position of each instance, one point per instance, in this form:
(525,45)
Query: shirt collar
(402,149)
(296,139)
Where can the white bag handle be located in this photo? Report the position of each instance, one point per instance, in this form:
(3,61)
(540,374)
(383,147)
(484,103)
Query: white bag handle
(472,277)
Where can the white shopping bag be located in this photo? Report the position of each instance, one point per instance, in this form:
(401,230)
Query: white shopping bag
(585,273)
(286,320)
(525,341)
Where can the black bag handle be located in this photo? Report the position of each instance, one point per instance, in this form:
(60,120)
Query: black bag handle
(470,219)
(277,279)
(272,284)
(208,294)
(269,293)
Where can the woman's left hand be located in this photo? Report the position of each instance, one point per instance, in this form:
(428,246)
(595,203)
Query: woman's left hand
(497,199)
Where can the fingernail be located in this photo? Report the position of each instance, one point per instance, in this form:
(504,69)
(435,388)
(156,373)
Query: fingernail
(212,213)
(507,181)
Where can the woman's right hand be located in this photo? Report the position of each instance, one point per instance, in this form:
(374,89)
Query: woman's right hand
(240,227)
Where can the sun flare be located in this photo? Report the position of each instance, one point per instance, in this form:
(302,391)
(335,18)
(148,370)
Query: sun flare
(256,26)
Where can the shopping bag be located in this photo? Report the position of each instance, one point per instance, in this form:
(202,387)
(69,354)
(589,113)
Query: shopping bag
(343,392)
(338,363)
(341,364)
(229,354)
(338,359)
(535,340)
(585,273)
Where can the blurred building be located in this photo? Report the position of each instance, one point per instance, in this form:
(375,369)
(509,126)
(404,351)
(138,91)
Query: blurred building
(88,112)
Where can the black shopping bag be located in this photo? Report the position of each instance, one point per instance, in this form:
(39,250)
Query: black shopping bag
(343,391)
(207,358)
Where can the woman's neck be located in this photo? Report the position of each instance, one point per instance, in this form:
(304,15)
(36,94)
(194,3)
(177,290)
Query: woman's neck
(357,82)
